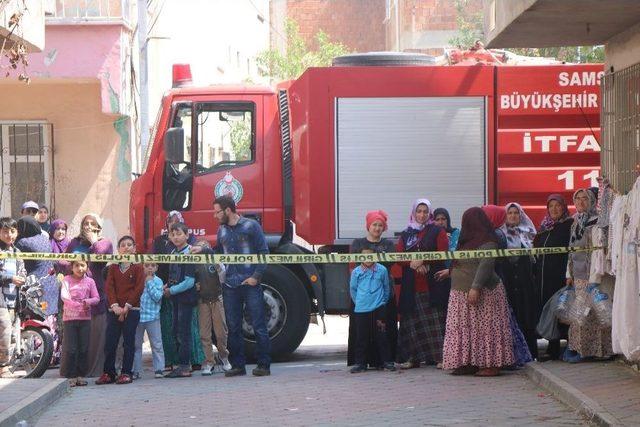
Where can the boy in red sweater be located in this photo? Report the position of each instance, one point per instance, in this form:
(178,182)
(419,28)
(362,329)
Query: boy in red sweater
(124,286)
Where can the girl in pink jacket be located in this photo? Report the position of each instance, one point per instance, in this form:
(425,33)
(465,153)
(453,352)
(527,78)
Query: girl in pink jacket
(78,294)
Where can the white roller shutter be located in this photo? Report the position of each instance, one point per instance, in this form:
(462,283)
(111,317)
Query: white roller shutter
(390,151)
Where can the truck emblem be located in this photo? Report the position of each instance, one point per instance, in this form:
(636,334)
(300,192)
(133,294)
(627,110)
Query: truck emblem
(229,186)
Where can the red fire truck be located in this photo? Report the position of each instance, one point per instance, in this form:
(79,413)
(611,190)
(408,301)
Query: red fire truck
(309,158)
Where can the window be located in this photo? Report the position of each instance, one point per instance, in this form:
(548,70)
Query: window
(178,176)
(26,166)
(183,120)
(225,136)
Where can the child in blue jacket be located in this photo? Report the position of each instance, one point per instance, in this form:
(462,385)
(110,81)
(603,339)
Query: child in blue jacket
(370,291)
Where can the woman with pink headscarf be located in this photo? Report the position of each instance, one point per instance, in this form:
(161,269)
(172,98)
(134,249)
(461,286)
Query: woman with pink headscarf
(376,225)
(423,299)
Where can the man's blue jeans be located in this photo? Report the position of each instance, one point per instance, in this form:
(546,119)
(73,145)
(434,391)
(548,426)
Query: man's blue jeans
(250,298)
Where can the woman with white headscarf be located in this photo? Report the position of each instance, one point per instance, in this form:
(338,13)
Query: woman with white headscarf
(423,299)
(518,273)
(590,339)
(90,241)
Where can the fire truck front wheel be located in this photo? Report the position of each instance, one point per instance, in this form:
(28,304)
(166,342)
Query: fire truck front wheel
(287,309)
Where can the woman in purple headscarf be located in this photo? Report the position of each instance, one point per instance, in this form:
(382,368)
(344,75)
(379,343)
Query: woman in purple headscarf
(59,241)
(423,299)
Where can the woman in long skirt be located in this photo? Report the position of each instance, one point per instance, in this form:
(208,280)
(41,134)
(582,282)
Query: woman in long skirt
(478,337)
(423,298)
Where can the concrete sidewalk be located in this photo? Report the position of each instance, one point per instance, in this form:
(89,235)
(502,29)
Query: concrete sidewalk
(22,399)
(606,393)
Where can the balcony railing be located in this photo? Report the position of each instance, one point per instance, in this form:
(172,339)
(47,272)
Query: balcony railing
(91,11)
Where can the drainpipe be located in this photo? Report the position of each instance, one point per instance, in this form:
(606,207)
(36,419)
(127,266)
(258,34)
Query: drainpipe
(398,26)
(142,65)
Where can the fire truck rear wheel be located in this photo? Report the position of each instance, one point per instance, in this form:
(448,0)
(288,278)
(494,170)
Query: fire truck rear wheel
(287,308)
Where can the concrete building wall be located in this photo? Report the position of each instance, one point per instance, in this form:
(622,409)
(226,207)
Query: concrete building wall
(623,50)
(87,149)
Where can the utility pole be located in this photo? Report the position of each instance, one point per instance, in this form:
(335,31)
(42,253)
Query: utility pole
(143,72)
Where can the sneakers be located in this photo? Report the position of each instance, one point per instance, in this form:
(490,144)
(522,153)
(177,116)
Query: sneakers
(226,366)
(135,376)
(158,374)
(390,366)
(105,379)
(234,372)
(124,379)
(358,369)
(261,371)
(207,369)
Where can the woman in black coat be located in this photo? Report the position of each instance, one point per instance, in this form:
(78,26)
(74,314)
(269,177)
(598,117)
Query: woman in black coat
(551,270)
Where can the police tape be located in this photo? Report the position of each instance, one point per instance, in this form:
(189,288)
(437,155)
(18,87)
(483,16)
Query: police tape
(330,258)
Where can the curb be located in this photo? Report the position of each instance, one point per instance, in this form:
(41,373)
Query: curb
(34,403)
(571,396)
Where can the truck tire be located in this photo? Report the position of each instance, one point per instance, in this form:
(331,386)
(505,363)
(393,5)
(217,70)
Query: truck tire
(288,308)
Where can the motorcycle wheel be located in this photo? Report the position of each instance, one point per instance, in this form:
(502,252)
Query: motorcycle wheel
(37,346)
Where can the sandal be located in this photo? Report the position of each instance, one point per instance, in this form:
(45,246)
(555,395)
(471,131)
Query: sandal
(81,383)
(124,379)
(410,364)
(179,373)
(465,370)
(488,372)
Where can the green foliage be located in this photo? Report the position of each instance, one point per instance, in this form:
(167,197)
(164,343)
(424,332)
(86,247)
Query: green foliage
(298,57)
(240,135)
(470,26)
(573,54)
(470,29)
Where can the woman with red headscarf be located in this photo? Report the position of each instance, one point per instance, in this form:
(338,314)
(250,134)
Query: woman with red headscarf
(376,223)
(423,299)
(550,270)
(478,336)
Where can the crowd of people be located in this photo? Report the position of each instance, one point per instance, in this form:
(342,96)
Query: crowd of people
(98,313)
(475,316)
(469,316)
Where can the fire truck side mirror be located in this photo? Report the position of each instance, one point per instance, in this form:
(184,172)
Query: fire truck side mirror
(174,145)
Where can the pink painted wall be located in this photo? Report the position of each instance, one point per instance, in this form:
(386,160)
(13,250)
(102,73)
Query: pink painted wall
(83,51)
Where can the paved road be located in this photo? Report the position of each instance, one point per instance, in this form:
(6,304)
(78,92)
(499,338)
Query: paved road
(315,388)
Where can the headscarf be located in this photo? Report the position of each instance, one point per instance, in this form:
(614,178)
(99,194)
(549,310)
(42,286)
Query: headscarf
(379,215)
(58,247)
(96,217)
(170,215)
(98,220)
(582,219)
(443,211)
(476,229)
(414,228)
(28,227)
(547,222)
(522,234)
(496,214)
